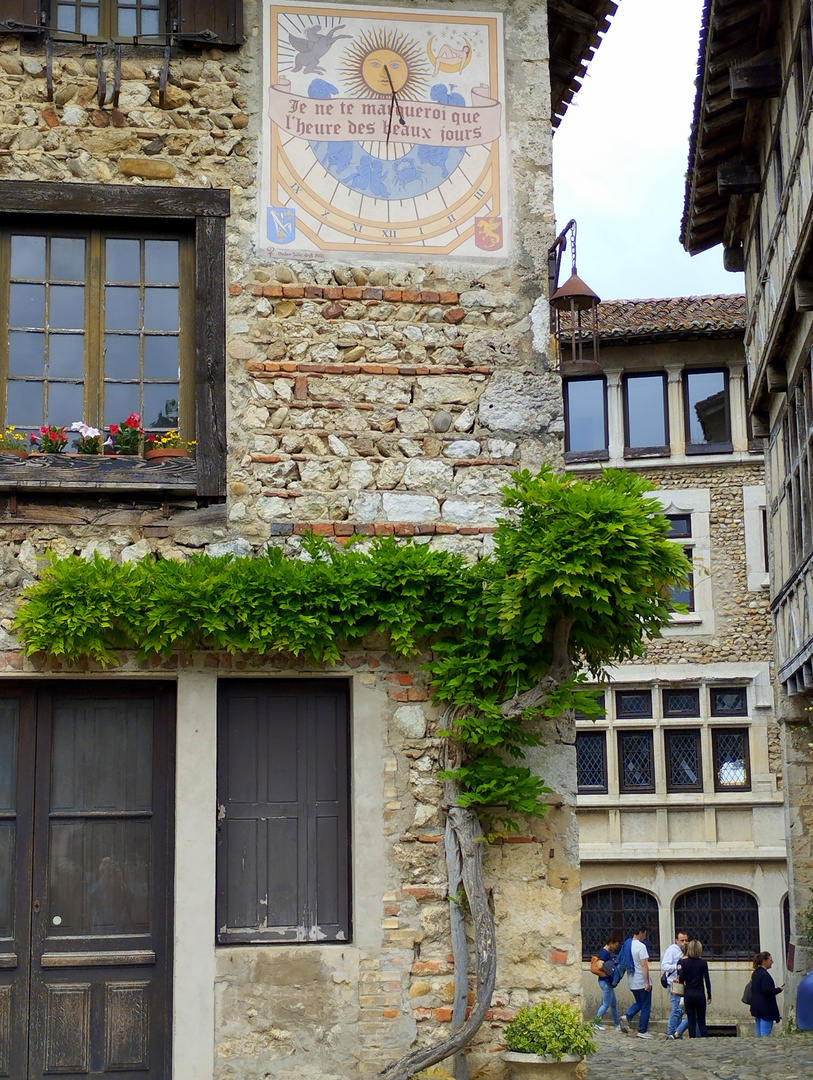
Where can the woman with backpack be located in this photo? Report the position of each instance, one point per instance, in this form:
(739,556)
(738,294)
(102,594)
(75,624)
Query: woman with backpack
(606,963)
(764,1008)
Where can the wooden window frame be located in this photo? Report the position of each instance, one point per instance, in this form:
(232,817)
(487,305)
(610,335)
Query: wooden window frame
(726,446)
(669,713)
(716,712)
(623,735)
(682,732)
(645,451)
(716,732)
(206,212)
(187,22)
(599,453)
(623,715)
(593,789)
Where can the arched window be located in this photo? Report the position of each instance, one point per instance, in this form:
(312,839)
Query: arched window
(726,921)
(621,910)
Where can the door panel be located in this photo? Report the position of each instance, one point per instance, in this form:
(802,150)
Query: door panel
(94,986)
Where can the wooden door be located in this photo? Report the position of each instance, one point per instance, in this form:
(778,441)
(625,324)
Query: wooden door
(86,855)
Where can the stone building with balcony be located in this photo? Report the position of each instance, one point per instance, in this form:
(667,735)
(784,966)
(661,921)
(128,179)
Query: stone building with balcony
(750,189)
(311,236)
(680,783)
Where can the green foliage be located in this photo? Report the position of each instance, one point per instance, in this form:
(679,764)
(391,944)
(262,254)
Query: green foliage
(592,552)
(552,1028)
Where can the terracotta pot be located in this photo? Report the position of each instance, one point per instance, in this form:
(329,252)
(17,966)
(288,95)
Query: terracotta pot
(14,453)
(161,452)
(541,1067)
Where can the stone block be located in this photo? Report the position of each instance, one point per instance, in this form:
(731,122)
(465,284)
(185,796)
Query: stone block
(400,506)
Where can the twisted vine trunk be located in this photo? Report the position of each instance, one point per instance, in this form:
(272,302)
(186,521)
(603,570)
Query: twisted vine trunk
(465,838)
(464,861)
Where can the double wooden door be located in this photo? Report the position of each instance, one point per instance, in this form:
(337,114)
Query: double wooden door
(86,780)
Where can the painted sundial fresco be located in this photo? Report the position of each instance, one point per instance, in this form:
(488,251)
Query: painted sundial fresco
(385,132)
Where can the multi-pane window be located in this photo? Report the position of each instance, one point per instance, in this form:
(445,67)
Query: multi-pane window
(797,425)
(635,761)
(681,529)
(630,704)
(684,771)
(622,911)
(681,701)
(726,920)
(645,415)
(585,416)
(98,327)
(729,701)
(732,764)
(708,415)
(109,18)
(591,762)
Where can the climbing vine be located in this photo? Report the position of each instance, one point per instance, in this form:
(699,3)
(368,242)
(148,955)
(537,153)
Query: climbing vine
(592,556)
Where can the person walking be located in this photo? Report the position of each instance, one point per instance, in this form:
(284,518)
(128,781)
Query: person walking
(669,962)
(641,986)
(605,982)
(693,972)
(764,1008)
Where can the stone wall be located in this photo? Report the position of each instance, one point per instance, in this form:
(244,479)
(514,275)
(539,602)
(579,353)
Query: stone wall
(383,397)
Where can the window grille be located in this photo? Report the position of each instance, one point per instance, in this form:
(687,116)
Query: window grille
(682,702)
(618,910)
(729,701)
(732,766)
(633,703)
(636,761)
(591,762)
(726,920)
(684,770)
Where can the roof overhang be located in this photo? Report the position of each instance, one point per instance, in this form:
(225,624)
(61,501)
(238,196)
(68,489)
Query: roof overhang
(735,42)
(575,29)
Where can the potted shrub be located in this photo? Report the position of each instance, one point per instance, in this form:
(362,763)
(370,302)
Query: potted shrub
(168,444)
(549,1040)
(12,442)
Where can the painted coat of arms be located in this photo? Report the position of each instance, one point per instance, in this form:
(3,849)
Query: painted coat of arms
(385,131)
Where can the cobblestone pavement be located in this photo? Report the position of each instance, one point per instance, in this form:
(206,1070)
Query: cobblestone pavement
(626,1057)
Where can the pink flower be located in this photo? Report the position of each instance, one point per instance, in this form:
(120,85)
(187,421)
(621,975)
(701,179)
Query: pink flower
(114,429)
(133,420)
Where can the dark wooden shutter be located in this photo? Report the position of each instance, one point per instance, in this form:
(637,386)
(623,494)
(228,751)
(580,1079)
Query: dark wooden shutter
(283,796)
(211,21)
(20,13)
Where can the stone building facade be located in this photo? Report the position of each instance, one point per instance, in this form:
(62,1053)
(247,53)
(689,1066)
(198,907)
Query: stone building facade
(377,384)
(749,189)
(680,784)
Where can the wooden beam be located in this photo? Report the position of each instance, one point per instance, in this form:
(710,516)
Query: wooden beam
(757,78)
(573,16)
(737,14)
(738,179)
(803,294)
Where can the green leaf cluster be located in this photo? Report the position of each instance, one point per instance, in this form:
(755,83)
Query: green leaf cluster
(593,552)
(552,1028)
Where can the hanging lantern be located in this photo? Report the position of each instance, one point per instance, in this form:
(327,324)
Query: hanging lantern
(574,312)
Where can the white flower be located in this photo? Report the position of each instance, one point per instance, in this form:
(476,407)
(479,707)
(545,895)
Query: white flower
(85,431)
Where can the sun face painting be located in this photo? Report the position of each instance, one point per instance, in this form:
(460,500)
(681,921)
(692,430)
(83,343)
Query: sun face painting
(384,133)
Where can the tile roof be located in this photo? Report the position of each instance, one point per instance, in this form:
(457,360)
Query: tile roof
(674,316)
(575,30)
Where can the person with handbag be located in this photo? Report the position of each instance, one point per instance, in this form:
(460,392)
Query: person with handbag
(669,962)
(604,967)
(693,973)
(764,1008)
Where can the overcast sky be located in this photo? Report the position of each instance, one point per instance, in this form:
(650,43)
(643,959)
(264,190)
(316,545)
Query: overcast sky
(620,157)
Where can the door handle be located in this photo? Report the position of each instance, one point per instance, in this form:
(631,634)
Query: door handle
(36,906)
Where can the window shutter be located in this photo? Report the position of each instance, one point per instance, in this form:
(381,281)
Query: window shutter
(207,22)
(20,13)
(283,833)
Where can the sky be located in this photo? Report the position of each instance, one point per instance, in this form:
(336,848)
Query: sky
(621,153)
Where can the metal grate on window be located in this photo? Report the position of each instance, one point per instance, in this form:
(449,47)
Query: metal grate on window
(635,761)
(633,703)
(726,921)
(682,702)
(731,759)
(729,701)
(579,715)
(591,761)
(683,762)
(621,911)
